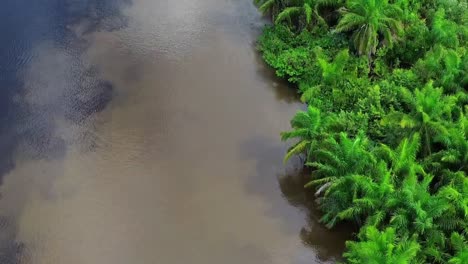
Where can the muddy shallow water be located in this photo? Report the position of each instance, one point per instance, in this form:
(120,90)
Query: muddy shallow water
(147,131)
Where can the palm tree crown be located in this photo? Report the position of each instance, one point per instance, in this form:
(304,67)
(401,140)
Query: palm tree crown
(429,112)
(381,247)
(370,20)
(305,9)
(307,128)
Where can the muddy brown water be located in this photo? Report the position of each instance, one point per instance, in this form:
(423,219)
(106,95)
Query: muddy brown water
(150,134)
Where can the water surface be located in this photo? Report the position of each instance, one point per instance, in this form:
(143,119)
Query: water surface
(147,131)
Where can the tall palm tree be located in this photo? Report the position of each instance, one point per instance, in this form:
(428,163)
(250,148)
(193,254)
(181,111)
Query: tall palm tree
(345,156)
(460,245)
(272,7)
(402,160)
(307,128)
(457,146)
(370,21)
(341,169)
(444,31)
(381,248)
(445,66)
(429,111)
(456,200)
(332,71)
(305,11)
(415,211)
(382,180)
(411,203)
(451,162)
(370,204)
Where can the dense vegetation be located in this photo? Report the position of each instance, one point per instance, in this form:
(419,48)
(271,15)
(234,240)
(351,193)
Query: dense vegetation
(386,128)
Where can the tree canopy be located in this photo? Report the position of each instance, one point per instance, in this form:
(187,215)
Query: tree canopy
(385,133)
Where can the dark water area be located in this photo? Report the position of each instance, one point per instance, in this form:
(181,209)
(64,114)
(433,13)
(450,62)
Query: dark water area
(147,131)
(26,25)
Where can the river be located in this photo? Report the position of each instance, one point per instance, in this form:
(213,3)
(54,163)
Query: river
(147,131)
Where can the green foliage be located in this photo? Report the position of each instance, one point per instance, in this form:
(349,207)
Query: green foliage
(332,71)
(381,247)
(338,158)
(304,13)
(402,159)
(415,42)
(307,129)
(460,245)
(445,66)
(271,7)
(444,31)
(429,112)
(339,164)
(386,134)
(293,63)
(369,20)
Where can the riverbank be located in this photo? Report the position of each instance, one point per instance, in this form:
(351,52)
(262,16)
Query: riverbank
(386,130)
(146,133)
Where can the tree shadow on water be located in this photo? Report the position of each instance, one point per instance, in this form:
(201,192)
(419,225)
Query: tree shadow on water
(284,91)
(329,243)
(302,216)
(30,108)
(73,93)
(11,250)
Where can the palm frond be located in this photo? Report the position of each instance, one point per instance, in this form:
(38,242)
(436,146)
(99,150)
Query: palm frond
(298,148)
(287,13)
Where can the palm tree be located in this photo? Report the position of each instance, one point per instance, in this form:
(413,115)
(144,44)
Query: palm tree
(337,200)
(457,146)
(382,180)
(460,245)
(341,169)
(371,202)
(451,162)
(429,111)
(456,200)
(370,20)
(332,71)
(415,210)
(381,248)
(338,158)
(308,127)
(445,66)
(402,160)
(418,212)
(414,207)
(273,7)
(305,11)
(444,31)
